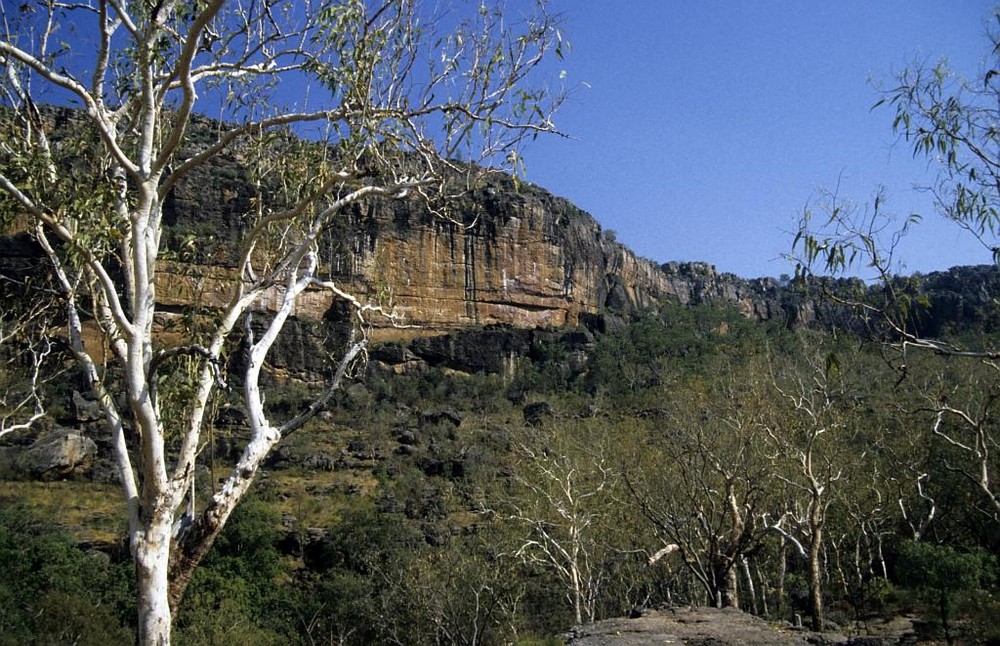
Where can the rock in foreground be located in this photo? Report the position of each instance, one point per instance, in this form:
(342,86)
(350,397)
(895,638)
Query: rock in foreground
(709,626)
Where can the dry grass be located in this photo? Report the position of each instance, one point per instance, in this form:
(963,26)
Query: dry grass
(91,512)
(317,499)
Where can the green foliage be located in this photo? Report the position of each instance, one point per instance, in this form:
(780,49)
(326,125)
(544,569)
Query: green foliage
(358,594)
(424,551)
(940,573)
(658,347)
(949,119)
(78,198)
(236,584)
(51,591)
(943,570)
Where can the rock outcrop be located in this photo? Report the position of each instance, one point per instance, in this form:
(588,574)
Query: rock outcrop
(513,256)
(510,254)
(56,454)
(719,627)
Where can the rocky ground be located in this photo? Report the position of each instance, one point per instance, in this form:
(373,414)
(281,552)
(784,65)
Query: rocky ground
(714,627)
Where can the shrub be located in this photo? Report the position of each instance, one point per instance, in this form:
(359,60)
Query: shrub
(940,573)
(51,591)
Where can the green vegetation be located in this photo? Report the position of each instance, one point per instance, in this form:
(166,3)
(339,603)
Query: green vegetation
(102,202)
(52,592)
(439,506)
(675,455)
(938,573)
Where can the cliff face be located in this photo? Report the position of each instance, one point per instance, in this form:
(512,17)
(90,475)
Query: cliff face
(515,256)
(509,255)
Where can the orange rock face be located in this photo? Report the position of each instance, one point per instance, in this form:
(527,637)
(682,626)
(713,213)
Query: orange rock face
(526,259)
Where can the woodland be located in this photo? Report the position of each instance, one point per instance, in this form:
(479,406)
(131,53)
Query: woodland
(833,475)
(684,456)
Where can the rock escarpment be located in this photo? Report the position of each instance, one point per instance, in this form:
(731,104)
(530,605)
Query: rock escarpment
(511,257)
(509,254)
(517,257)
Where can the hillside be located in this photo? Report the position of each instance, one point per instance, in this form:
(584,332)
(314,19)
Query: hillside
(509,254)
(544,382)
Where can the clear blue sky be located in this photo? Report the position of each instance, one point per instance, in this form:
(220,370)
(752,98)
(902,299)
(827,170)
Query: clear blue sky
(706,126)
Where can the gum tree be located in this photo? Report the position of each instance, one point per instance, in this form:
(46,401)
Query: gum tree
(951,120)
(26,354)
(808,442)
(563,500)
(704,480)
(388,95)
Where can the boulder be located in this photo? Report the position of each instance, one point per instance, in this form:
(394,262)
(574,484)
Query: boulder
(321,461)
(8,463)
(439,415)
(57,454)
(86,410)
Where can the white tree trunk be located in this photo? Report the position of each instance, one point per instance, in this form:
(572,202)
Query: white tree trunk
(751,590)
(816,578)
(151,551)
(137,152)
(577,595)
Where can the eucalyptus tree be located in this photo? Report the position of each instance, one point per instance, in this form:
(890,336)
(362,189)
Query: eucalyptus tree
(862,523)
(951,120)
(563,500)
(813,443)
(957,404)
(28,354)
(707,481)
(390,92)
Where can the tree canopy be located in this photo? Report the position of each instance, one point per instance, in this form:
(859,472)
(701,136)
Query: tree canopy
(389,95)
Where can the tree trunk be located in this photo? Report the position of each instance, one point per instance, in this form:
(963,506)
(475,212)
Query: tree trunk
(944,603)
(152,559)
(731,590)
(577,595)
(194,541)
(191,546)
(751,590)
(816,581)
(782,571)
(765,587)
(726,584)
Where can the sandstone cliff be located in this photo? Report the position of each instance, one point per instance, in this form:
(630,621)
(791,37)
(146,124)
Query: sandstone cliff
(511,254)
(518,257)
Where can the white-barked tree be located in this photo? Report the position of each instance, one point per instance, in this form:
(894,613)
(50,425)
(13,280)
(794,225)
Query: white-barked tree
(387,94)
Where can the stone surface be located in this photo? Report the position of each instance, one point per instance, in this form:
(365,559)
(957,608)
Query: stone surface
(56,454)
(509,254)
(86,410)
(510,258)
(711,626)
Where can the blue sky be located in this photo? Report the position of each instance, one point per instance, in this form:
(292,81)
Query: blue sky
(705,127)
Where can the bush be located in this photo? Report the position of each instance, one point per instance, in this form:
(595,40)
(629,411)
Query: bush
(939,574)
(51,591)
(236,584)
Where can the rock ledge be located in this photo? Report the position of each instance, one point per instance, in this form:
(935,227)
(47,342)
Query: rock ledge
(711,626)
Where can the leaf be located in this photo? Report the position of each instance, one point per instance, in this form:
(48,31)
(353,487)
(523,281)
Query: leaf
(832,364)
